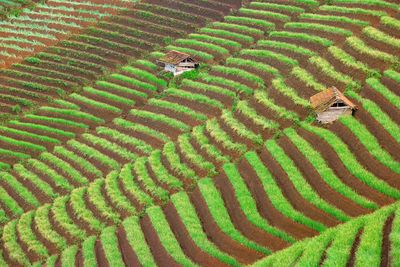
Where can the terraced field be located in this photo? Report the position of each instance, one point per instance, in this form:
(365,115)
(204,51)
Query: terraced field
(108,161)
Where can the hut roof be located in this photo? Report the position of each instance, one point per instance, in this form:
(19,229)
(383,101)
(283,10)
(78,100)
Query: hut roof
(323,100)
(174,57)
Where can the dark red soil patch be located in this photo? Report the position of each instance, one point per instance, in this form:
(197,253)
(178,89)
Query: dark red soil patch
(215,235)
(100,254)
(364,156)
(334,162)
(386,247)
(267,209)
(128,255)
(291,193)
(382,102)
(240,220)
(313,178)
(352,260)
(189,247)
(161,256)
(384,138)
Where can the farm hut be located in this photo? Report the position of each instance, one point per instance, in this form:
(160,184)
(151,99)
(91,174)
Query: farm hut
(331,104)
(178,62)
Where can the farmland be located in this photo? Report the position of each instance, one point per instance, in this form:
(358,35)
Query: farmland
(105,160)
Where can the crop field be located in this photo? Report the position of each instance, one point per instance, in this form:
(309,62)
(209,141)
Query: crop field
(106,160)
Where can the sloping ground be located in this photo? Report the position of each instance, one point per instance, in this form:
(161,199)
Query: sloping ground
(368,240)
(48,23)
(260,193)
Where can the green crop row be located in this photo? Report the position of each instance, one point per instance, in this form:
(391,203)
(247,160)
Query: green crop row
(111,146)
(161,172)
(124,139)
(300,183)
(209,79)
(370,142)
(119,200)
(379,115)
(279,84)
(248,204)
(240,128)
(194,157)
(318,27)
(160,118)
(91,152)
(253,64)
(351,163)
(380,36)
(353,10)
(108,96)
(384,91)
(249,112)
(109,242)
(259,82)
(131,186)
(278,7)
(235,27)
(306,77)
(169,152)
(95,196)
(221,216)
(262,98)
(166,236)
(302,37)
(200,137)
(200,98)
(266,15)
(253,22)
(187,214)
(80,161)
(362,48)
(195,44)
(238,37)
(286,46)
(10,241)
(348,60)
(19,188)
(44,128)
(80,210)
(208,88)
(142,174)
(325,171)
(141,128)
(28,237)
(269,55)
(215,130)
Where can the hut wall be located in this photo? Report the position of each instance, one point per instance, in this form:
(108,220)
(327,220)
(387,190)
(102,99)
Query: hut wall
(333,113)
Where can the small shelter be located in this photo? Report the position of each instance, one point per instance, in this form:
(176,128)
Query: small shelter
(331,104)
(178,62)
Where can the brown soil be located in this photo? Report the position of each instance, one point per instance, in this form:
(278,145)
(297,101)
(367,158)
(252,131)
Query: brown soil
(235,137)
(384,138)
(352,260)
(215,235)
(317,182)
(56,227)
(291,193)
(324,255)
(161,256)
(156,125)
(157,182)
(234,78)
(302,89)
(240,220)
(226,100)
(391,85)
(366,59)
(364,156)
(267,209)
(189,247)
(32,188)
(100,254)
(270,114)
(130,197)
(16,196)
(203,108)
(381,101)
(334,162)
(339,66)
(323,78)
(386,246)
(104,169)
(380,46)
(129,256)
(52,249)
(78,221)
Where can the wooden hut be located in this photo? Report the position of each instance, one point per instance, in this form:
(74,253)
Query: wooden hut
(178,62)
(331,104)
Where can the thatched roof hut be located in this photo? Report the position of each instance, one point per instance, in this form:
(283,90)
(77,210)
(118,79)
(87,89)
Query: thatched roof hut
(330,104)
